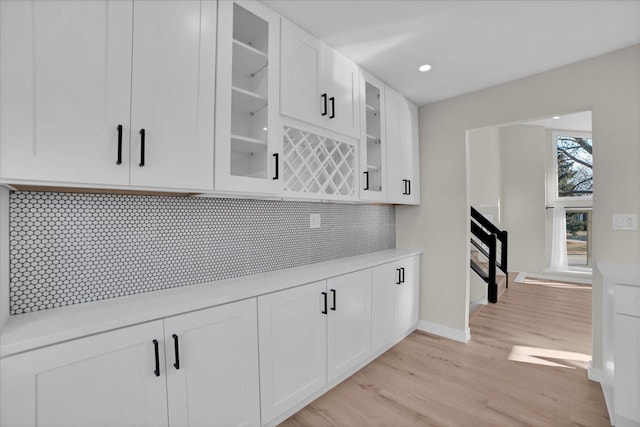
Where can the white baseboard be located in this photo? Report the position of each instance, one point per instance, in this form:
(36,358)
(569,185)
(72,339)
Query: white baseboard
(520,278)
(476,305)
(445,331)
(579,278)
(594,374)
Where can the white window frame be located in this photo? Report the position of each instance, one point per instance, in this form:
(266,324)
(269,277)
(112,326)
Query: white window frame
(571,204)
(552,175)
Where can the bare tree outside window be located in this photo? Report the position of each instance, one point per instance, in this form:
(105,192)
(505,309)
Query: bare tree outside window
(575,166)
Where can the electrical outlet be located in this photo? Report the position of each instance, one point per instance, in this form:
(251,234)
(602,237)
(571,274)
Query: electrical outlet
(625,221)
(314,220)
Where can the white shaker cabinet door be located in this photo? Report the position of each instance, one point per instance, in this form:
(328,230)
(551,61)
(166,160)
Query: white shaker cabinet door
(403,173)
(349,322)
(65,73)
(212,366)
(293,354)
(303,93)
(107,379)
(383,327)
(407,292)
(343,88)
(174,47)
(394,123)
(627,368)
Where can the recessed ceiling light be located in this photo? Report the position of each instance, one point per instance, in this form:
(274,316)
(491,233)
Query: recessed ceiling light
(424,68)
(556,117)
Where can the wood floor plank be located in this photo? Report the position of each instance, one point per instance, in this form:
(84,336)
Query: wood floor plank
(525,366)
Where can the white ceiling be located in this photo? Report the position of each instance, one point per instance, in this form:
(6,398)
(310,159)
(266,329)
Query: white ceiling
(470,44)
(577,121)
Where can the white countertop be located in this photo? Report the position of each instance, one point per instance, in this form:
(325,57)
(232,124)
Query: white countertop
(620,274)
(28,331)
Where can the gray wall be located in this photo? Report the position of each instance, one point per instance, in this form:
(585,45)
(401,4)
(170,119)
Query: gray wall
(609,86)
(523,196)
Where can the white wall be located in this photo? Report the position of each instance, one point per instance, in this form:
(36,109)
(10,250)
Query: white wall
(523,152)
(483,187)
(484,180)
(609,86)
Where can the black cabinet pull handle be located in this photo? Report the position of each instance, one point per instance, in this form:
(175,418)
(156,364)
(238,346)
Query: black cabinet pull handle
(119,162)
(402,274)
(142,135)
(366,180)
(277,174)
(405,193)
(333,292)
(176,351)
(333,107)
(409,185)
(324,99)
(399,281)
(157,370)
(324,294)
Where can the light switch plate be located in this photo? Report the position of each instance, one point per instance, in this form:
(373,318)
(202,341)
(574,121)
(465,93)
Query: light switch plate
(314,220)
(625,221)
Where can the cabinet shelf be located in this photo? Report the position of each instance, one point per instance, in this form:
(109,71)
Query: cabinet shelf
(248,60)
(373,168)
(245,101)
(246,145)
(371,108)
(373,138)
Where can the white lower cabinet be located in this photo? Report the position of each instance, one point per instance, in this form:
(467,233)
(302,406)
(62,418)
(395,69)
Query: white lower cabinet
(394,301)
(310,336)
(407,301)
(245,363)
(120,378)
(103,380)
(348,322)
(293,339)
(212,366)
(627,356)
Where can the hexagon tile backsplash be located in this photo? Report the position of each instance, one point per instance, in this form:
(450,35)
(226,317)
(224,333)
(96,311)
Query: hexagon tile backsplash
(70,248)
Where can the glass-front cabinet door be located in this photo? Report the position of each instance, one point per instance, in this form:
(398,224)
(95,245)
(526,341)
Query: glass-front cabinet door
(248,135)
(373,160)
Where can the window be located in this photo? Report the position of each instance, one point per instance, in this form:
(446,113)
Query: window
(573,165)
(570,199)
(578,235)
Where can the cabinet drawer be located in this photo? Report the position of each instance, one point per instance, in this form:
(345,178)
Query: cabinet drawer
(628,300)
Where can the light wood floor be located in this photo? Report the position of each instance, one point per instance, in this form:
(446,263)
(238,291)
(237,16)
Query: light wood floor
(525,365)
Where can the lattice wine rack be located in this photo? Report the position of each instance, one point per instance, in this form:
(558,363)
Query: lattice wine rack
(315,164)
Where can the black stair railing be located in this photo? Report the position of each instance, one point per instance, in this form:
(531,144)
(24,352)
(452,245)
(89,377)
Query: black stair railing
(487,236)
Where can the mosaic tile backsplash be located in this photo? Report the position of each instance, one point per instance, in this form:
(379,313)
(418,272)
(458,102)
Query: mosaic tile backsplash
(69,248)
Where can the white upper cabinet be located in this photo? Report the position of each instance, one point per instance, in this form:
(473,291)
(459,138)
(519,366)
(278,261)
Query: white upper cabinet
(172,100)
(77,105)
(373,140)
(343,91)
(403,173)
(65,72)
(302,76)
(318,85)
(248,132)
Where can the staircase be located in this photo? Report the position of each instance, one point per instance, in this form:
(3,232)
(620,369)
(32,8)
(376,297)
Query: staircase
(488,254)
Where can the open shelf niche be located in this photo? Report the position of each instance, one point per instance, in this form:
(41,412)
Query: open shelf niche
(249,103)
